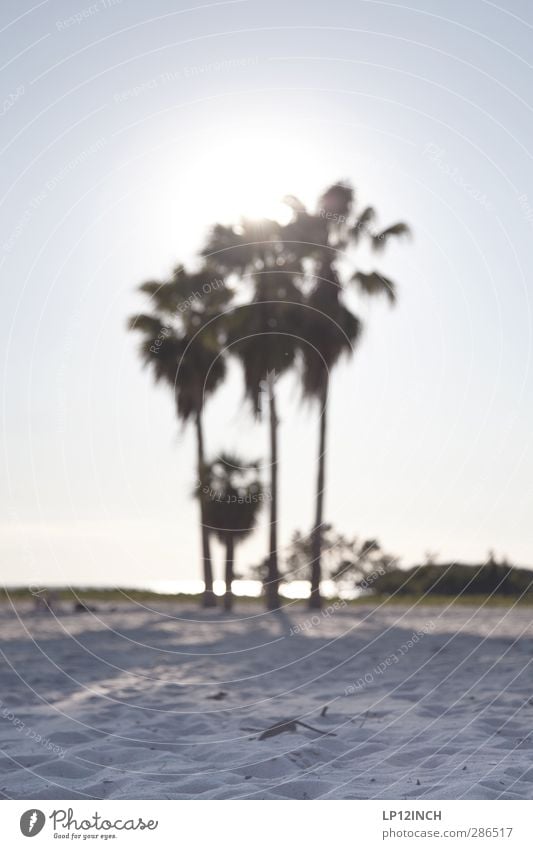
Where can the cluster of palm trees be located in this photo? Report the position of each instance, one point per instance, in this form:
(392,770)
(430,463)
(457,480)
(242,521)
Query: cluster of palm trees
(273,296)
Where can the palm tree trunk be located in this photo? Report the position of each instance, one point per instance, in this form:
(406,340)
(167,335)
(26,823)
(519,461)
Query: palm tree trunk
(228,596)
(208,598)
(272,589)
(315,601)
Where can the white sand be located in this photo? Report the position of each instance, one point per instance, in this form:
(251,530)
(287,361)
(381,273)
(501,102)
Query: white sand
(125,699)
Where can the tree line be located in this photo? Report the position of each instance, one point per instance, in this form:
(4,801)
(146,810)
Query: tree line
(272,296)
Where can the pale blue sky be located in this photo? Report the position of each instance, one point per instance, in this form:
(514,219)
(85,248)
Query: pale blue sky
(123,124)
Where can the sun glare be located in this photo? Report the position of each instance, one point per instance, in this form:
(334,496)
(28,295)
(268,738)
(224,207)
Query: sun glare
(224,179)
(250,174)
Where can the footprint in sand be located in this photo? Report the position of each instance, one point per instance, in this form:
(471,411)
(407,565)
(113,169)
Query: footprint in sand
(60,738)
(308,789)
(114,756)
(64,769)
(273,768)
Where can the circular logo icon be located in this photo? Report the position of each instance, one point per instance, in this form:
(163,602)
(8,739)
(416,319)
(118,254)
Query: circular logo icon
(32,822)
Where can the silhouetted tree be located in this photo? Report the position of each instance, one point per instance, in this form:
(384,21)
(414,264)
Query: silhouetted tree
(181,344)
(331,330)
(339,553)
(491,578)
(263,335)
(233,498)
(325,242)
(293,275)
(364,563)
(349,561)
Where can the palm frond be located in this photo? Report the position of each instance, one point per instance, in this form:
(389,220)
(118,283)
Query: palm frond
(337,200)
(362,223)
(150,287)
(238,250)
(304,237)
(295,204)
(232,497)
(150,325)
(379,240)
(375,284)
(263,334)
(328,331)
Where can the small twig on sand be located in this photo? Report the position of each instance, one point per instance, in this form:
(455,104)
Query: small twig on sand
(291,725)
(316,730)
(364,719)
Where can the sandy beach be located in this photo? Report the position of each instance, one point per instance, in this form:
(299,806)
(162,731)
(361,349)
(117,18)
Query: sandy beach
(128,702)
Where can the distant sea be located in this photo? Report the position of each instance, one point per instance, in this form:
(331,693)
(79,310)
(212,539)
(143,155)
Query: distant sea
(294,589)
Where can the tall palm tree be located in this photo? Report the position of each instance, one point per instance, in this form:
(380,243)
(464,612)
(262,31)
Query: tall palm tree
(331,331)
(290,267)
(262,333)
(233,499)
(182,345)
(326,239)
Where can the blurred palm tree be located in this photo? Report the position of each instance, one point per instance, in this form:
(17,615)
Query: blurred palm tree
(331,331)
(297,304)
(262,334)
(324,242)
(233,499)
(182,344)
